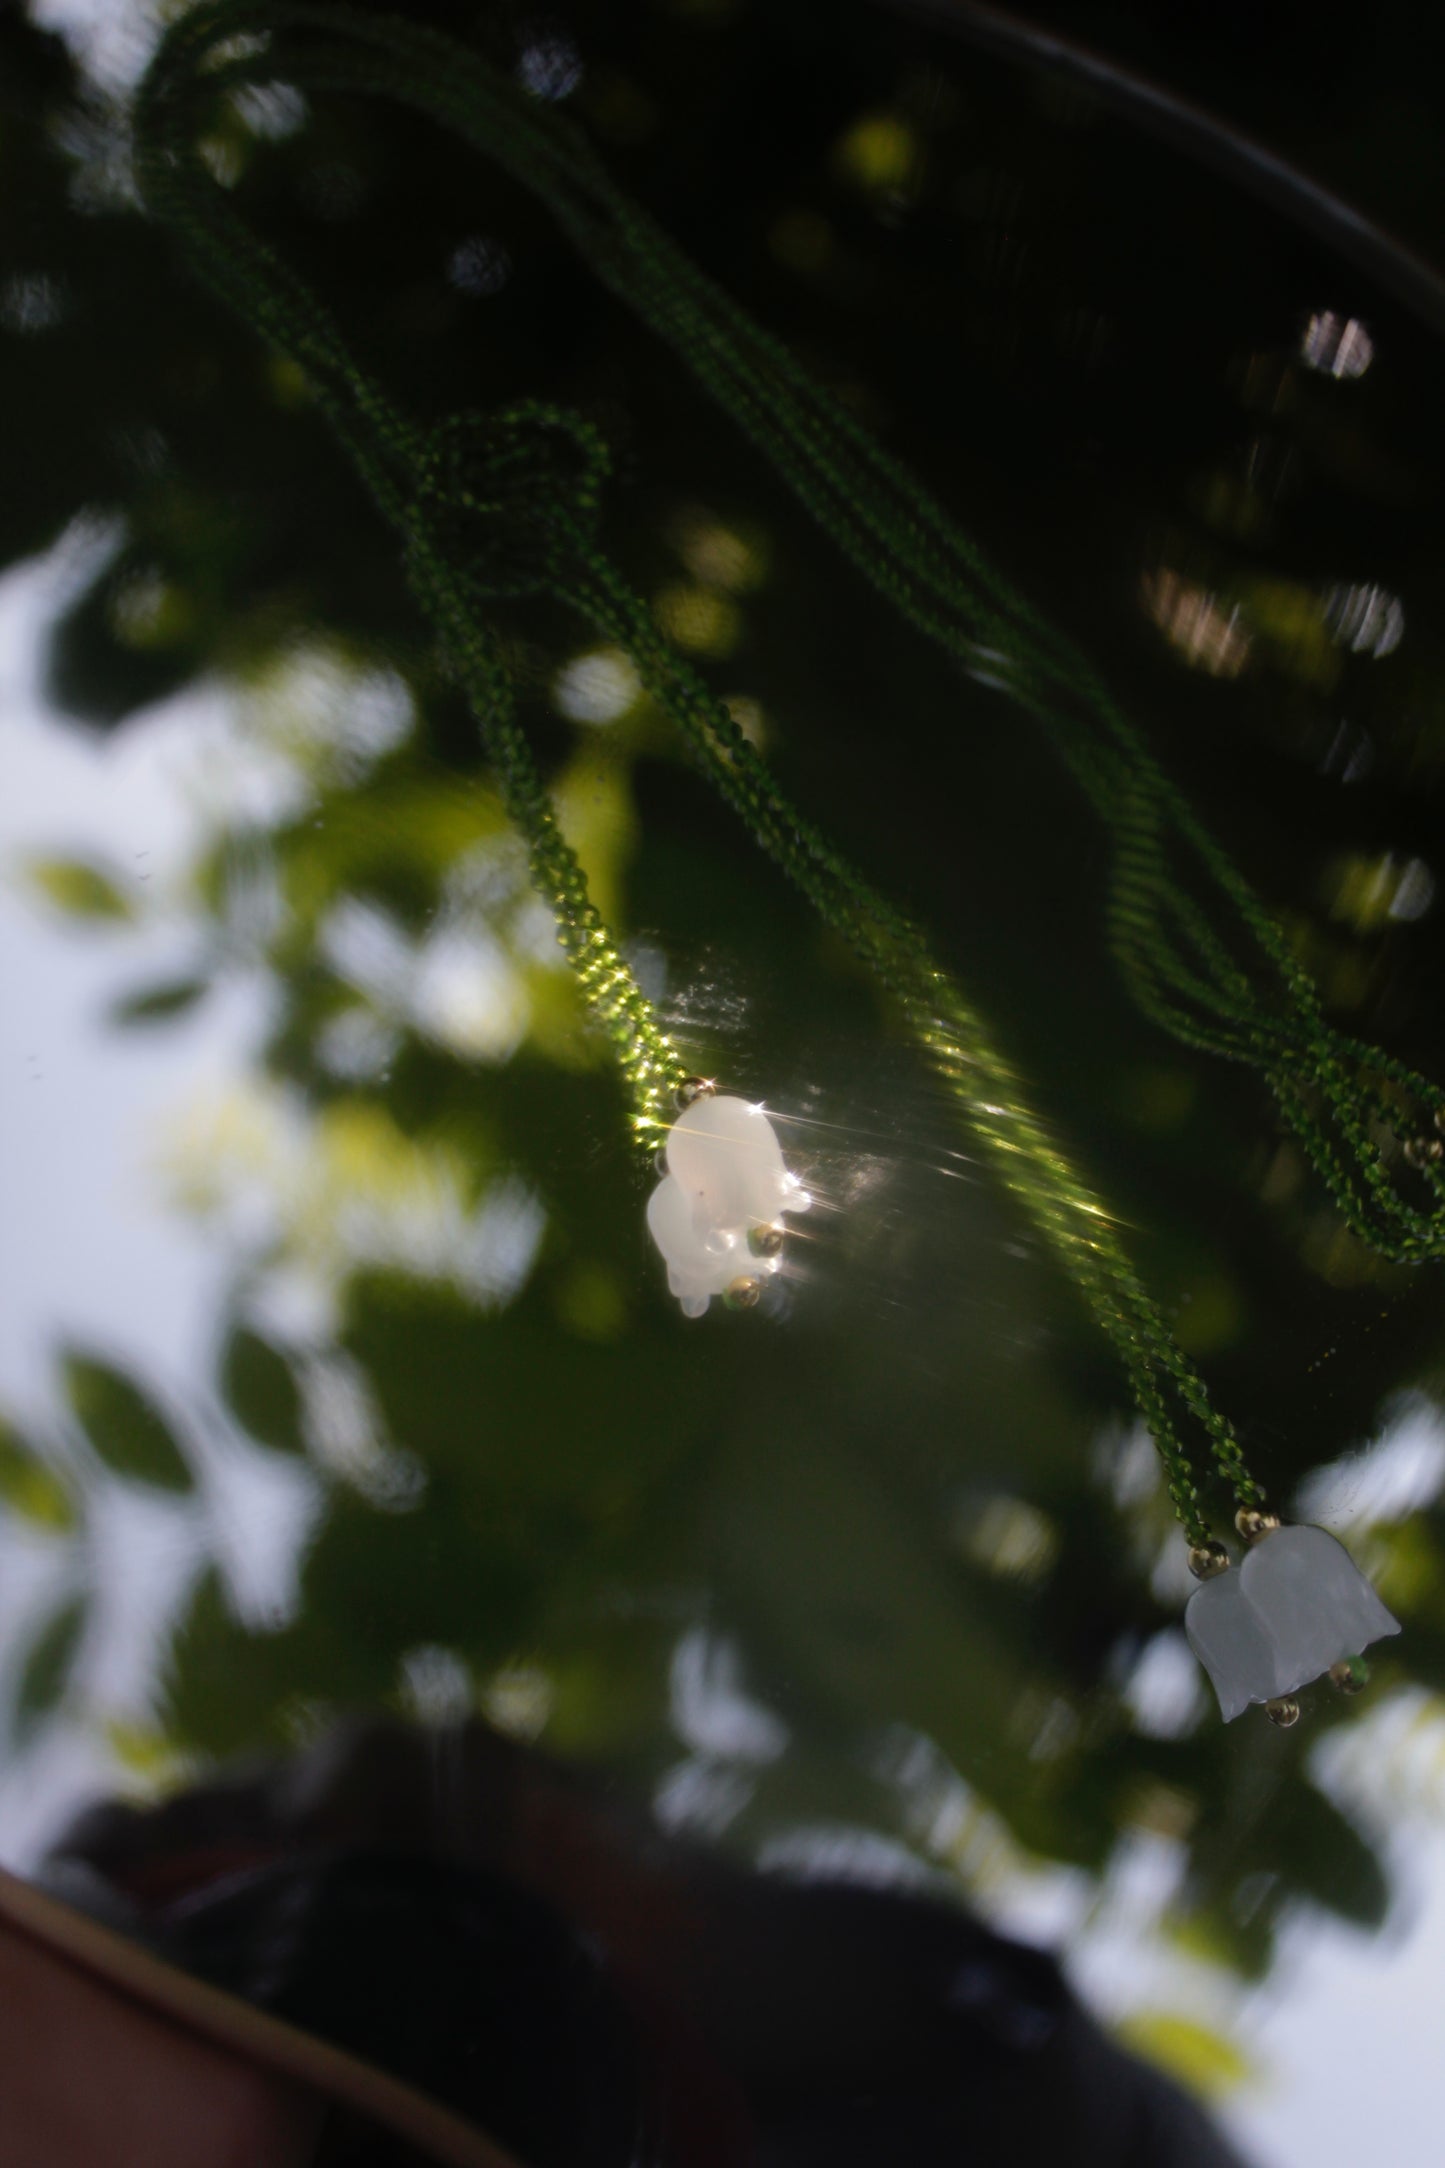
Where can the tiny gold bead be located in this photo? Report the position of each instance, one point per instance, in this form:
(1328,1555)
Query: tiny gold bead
(693,1088)
(1351,1675)
(1207,1559)
(743,1293)
(766,1241)
(1252,1523)
(1424,1151)
(1283,1712)
(1440,1118)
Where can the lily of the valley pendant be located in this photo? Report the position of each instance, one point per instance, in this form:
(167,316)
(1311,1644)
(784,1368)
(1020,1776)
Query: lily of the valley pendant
(1296,1607)
(715,1215)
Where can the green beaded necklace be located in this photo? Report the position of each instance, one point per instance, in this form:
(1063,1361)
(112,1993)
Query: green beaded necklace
(506,504)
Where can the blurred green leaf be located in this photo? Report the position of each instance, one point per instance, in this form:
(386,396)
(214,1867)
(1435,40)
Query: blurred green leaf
(31,1487)
(375,1585)
(259,1386)
(48,1666)
(227,1688)
(1324,1855)
(1195,2054)
(79,889)
(156,1004)
(568,1442)
(1237,1933)
(122,1424)
(98,673)
(145,1753)
(378,1584)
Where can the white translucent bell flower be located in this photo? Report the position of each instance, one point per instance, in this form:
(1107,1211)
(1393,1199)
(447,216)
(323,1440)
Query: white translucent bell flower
(725,1179)
(1297,1605)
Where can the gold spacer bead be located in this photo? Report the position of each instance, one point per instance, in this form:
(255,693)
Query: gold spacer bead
(693,1088)
(1424,1151)
(1252,1523)
(743,1293)
(1283,1712)
(1351,1675)
(767,1241)
(1207,1559)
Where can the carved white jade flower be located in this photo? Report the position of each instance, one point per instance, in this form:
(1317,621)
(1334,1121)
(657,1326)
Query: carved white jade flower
(714,1215)
(1297,1604)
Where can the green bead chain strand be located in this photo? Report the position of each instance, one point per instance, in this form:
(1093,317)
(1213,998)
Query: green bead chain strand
(1198,950)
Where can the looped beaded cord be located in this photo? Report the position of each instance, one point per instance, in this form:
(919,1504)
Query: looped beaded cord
(512,496)
(507,505)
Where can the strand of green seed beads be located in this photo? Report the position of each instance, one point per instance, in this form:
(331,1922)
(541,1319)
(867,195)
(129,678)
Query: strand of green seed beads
(400,463)
(508,505)
(1361,1117)
(1233,988)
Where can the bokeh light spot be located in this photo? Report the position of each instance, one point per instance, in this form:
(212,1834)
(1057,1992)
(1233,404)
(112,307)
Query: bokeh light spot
(1336,345)
(1206,630)
(1367,620)
(699,620)
(596,687)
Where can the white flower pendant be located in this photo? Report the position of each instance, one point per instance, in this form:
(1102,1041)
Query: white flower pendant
(1297,1604)
(714,1215)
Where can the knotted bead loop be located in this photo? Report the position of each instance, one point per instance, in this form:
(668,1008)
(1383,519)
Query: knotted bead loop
(512,496)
